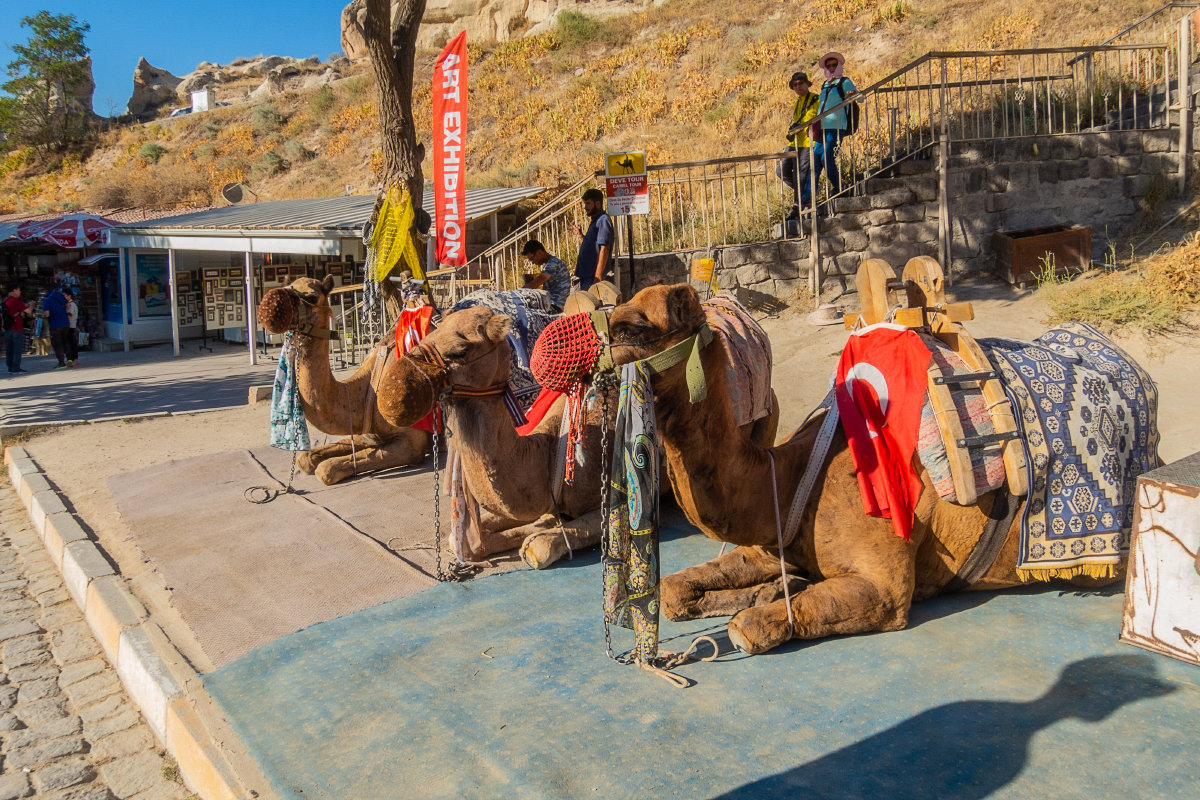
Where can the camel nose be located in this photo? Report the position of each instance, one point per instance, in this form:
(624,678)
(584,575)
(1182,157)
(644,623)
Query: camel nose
(405,393)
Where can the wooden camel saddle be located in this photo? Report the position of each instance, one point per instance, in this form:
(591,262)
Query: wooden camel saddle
(917,300)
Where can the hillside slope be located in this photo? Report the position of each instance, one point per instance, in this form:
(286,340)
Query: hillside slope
(685,80)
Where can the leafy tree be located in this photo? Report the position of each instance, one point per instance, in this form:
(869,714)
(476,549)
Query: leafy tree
(42,79)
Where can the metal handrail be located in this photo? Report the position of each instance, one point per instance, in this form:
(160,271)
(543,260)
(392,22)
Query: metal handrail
(1140,23)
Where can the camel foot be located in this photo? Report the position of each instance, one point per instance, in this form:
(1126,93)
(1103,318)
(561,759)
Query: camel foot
(543,549)
(759,629)
(332,471)
(305,462)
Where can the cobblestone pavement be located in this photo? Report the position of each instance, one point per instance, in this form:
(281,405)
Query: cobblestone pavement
(67,729)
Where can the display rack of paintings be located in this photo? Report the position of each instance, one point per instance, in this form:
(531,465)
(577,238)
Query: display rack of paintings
(224,298)
(188,286)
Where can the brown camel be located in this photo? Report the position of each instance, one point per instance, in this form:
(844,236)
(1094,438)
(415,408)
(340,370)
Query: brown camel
(508,476)
(342,408)
(863,576)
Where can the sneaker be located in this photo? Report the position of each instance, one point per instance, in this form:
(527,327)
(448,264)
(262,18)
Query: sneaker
(70,363)
(20,370)
(62,366)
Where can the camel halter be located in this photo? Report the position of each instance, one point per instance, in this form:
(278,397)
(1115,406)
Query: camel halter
(308,328)
(439,377)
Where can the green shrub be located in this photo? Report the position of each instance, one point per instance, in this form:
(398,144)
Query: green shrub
(271,163)
(205,153)
(358,86)
(266,119)
(322,101)
(296,151)
(576,30)
(152,152)
(210,130)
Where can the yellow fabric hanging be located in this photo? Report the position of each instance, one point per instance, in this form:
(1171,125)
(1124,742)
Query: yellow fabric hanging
(391,239)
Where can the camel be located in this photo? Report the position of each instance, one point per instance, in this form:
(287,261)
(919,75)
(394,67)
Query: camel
(863,577)
(342,408)
(508,475)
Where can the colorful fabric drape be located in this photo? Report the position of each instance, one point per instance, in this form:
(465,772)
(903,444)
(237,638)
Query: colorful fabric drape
(391,239)
(529,310)
(289,431)
(630,557)
(1089,419)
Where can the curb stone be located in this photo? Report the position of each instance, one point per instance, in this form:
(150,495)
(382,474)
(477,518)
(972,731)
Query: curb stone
(151,670)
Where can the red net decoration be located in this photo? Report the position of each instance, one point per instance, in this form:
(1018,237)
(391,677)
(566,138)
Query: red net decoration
(565,351)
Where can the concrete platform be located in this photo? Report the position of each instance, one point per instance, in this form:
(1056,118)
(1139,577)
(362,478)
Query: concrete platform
(501,688)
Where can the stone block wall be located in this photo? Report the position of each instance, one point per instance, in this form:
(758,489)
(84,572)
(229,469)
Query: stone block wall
(1095,179)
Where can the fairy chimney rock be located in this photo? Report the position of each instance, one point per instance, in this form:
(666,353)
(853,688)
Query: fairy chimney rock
(152,88)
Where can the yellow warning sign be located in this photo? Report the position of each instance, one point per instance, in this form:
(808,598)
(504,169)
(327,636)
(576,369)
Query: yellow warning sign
(624,164)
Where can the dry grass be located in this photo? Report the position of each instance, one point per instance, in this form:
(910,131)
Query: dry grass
(1153,293)
(682,81)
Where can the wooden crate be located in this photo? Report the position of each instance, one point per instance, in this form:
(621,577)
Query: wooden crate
(1162,588)
(1022,255)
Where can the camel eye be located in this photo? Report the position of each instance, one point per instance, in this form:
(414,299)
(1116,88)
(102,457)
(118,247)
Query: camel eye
(630,331)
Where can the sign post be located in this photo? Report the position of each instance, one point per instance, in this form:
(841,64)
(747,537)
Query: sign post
(627,192)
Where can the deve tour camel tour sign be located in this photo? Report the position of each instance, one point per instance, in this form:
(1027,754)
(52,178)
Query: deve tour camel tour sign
(626,188)
(449,131)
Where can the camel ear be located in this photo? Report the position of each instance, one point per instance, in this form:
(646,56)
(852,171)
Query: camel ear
(327,284)
(497,328)
(683,307)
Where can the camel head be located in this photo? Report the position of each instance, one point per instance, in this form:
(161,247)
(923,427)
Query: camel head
(655,318)
(302,305)
(469,350)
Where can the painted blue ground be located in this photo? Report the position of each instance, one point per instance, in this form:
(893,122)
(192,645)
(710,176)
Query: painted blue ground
(501,688)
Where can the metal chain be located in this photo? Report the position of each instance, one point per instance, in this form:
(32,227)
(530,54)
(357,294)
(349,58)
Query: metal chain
(270,493)
(456,571)
(603,385)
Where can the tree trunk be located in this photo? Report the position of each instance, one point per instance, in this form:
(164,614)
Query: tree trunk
(392,44)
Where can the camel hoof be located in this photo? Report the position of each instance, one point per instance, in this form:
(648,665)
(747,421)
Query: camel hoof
(305,462)
(328,475)
(677,597)
(757,631)
(538,551)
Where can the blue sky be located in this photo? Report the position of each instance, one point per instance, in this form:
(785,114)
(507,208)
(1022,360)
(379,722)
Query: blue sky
(177,36)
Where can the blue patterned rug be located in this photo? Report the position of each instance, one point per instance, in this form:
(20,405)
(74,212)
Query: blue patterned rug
(1089,416)
(530,312)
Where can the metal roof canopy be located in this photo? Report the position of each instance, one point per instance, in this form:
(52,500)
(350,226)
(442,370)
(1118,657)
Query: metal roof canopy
(313,226)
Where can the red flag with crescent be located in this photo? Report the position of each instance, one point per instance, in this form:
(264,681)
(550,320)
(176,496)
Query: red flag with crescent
(449,153)
(880,387)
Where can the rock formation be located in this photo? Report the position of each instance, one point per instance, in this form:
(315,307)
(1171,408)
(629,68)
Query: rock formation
(152,89)
(483,20)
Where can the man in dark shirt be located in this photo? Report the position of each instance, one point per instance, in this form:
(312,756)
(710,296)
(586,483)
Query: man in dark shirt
(55,307)
(15,312)
(596,249)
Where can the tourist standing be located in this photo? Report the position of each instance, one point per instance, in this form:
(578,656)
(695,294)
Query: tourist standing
(54,309)
(795,170)
(72,328)
(596,248)
(833,127)
(553,276)
(15,312)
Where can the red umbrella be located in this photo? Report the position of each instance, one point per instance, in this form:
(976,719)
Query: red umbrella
(71,231)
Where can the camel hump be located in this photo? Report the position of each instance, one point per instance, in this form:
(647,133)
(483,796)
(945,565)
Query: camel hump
(750,361)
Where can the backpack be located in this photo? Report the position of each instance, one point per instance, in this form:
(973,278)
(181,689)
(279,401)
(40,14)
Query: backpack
(852,111)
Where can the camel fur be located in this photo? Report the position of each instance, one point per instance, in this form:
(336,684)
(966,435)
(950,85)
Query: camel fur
(341,408)
(862,577)
(508,475)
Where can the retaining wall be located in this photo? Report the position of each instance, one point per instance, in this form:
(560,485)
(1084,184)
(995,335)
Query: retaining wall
(1096,179)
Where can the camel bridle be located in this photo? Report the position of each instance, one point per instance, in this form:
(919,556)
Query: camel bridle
(310,329)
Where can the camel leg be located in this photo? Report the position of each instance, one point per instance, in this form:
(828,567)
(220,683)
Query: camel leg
(401,451)
(710,589)
(836,606)
(308,461)
(544,545)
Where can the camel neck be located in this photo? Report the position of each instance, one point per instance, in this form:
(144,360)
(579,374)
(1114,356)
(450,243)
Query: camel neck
(324,398)
(507,463)
(721,477)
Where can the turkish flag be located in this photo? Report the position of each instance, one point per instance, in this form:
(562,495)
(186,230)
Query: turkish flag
(880,387)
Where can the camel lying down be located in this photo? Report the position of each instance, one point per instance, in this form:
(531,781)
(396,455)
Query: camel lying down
(863,577)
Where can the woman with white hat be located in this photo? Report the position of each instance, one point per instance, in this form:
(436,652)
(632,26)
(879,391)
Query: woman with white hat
(836,126)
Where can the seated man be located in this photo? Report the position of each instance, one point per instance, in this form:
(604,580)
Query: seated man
(554,276)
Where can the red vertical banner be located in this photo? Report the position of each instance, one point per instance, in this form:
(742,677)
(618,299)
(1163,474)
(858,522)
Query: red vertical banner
(449,156)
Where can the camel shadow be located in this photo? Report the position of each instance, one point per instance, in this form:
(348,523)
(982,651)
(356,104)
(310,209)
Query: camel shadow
(967,749)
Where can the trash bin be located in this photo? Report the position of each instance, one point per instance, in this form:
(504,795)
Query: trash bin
(1023,255)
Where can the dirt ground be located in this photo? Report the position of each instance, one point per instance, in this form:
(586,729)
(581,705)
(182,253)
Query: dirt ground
(80,459)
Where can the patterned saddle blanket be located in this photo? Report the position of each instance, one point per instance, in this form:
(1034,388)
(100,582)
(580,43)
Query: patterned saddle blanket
(749,350)
(1089,420)
(530,312)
